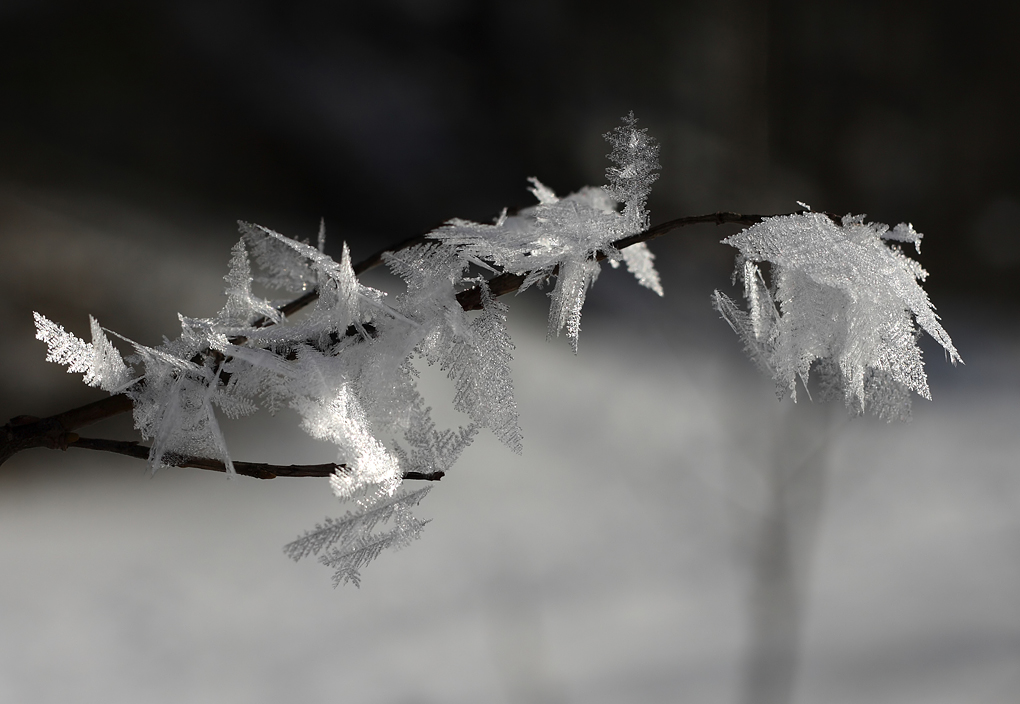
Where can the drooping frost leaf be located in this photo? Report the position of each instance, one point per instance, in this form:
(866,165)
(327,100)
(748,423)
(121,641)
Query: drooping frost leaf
(572,284)
(359,523)
(348,560)
(840,297)
(480,369)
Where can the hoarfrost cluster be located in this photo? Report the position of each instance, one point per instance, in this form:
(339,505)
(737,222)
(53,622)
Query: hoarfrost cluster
(841,303)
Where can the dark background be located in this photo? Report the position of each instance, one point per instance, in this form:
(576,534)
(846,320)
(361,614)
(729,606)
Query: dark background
(387,118)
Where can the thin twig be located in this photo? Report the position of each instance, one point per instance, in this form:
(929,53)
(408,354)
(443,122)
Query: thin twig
(259,470)
(26,432)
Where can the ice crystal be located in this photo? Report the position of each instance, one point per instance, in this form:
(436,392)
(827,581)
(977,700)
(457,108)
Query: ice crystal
(348,544)
(99,361)
(242,308)
(842,301)
(349,559)
(567,236)
(282,266)
(561,236)
(174,408)
(344,422)
(437,321)
(480,369)
(342,300)
(640,262)
(636,159)
(432,452)
(353,525)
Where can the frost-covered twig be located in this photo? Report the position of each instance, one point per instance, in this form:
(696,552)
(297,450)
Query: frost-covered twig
(502,284)
(841,298)
(32,432)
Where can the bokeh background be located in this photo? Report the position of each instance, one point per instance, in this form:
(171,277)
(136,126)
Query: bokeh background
(672,533)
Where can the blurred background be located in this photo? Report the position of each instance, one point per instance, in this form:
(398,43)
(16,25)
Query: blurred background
(672,533)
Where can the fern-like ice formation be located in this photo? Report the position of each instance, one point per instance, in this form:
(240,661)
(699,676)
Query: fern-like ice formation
(566,236)
(348,543)
(842,303)
(349,559)
(99,360)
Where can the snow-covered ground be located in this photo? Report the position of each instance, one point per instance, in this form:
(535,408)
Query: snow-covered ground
(609,563)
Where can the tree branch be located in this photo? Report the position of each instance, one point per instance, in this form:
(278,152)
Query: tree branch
(259,470)
(26,432)
(56,432)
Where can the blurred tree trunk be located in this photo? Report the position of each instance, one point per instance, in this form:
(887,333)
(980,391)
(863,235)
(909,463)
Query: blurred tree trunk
(781,550)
